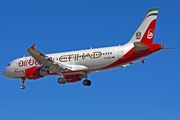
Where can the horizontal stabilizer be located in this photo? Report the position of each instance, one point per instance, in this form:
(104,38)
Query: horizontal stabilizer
(169,48)
(140,46)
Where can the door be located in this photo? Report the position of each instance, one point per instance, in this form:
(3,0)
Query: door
(120,51)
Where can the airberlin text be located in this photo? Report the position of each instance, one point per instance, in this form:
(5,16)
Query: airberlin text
(27,62)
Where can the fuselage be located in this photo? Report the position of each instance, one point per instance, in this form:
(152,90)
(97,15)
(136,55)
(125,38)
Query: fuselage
(83,60)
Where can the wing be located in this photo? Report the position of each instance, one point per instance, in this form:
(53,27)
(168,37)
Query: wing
(46,62)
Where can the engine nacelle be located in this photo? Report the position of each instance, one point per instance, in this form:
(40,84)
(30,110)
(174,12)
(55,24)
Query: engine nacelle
(43,72)
(35,73)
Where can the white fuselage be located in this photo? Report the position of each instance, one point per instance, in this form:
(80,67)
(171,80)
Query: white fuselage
(80,61)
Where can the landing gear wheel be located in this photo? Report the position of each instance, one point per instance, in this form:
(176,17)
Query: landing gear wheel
(89,83)
(22,87)
(86,82)
(61,80)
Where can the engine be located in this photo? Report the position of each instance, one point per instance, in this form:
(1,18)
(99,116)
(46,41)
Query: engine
(35,73)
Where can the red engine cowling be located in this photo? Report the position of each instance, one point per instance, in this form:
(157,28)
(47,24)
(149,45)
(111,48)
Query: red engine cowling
(35,73)
(71,78)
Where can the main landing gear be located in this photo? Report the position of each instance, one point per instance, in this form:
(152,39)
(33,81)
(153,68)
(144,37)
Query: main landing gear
(86,82)
(61,80)
(22,87)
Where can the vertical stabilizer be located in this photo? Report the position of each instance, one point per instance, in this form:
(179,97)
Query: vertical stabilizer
(145,31)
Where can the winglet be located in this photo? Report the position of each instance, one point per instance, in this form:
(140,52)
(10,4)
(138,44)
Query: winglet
(32,47)
(143,61)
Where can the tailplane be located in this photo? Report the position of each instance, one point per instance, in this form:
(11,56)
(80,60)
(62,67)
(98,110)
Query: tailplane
(145,31)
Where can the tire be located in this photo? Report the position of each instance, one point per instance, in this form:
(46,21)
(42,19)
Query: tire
(22,87)
(89,83)
(86,82)
(61,80)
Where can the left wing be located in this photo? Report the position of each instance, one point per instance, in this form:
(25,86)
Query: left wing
(46,62)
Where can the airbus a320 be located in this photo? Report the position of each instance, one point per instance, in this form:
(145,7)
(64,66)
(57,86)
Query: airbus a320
(75,66)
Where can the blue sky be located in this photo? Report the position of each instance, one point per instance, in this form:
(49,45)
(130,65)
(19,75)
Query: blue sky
(138,92)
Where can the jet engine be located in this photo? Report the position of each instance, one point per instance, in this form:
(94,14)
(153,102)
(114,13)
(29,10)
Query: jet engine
(35,73)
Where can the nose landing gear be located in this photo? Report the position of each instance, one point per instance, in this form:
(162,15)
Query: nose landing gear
(22,87)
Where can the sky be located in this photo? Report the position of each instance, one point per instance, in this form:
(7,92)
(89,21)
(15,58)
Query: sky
(149,91)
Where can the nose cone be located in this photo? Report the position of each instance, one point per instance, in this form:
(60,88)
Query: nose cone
(7,72)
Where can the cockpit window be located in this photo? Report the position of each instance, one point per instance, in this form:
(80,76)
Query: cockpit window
(9,64)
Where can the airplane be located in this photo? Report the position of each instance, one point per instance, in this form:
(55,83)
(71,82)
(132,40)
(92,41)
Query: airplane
(76,65)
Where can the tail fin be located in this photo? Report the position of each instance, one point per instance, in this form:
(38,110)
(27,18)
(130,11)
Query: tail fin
(145,31)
